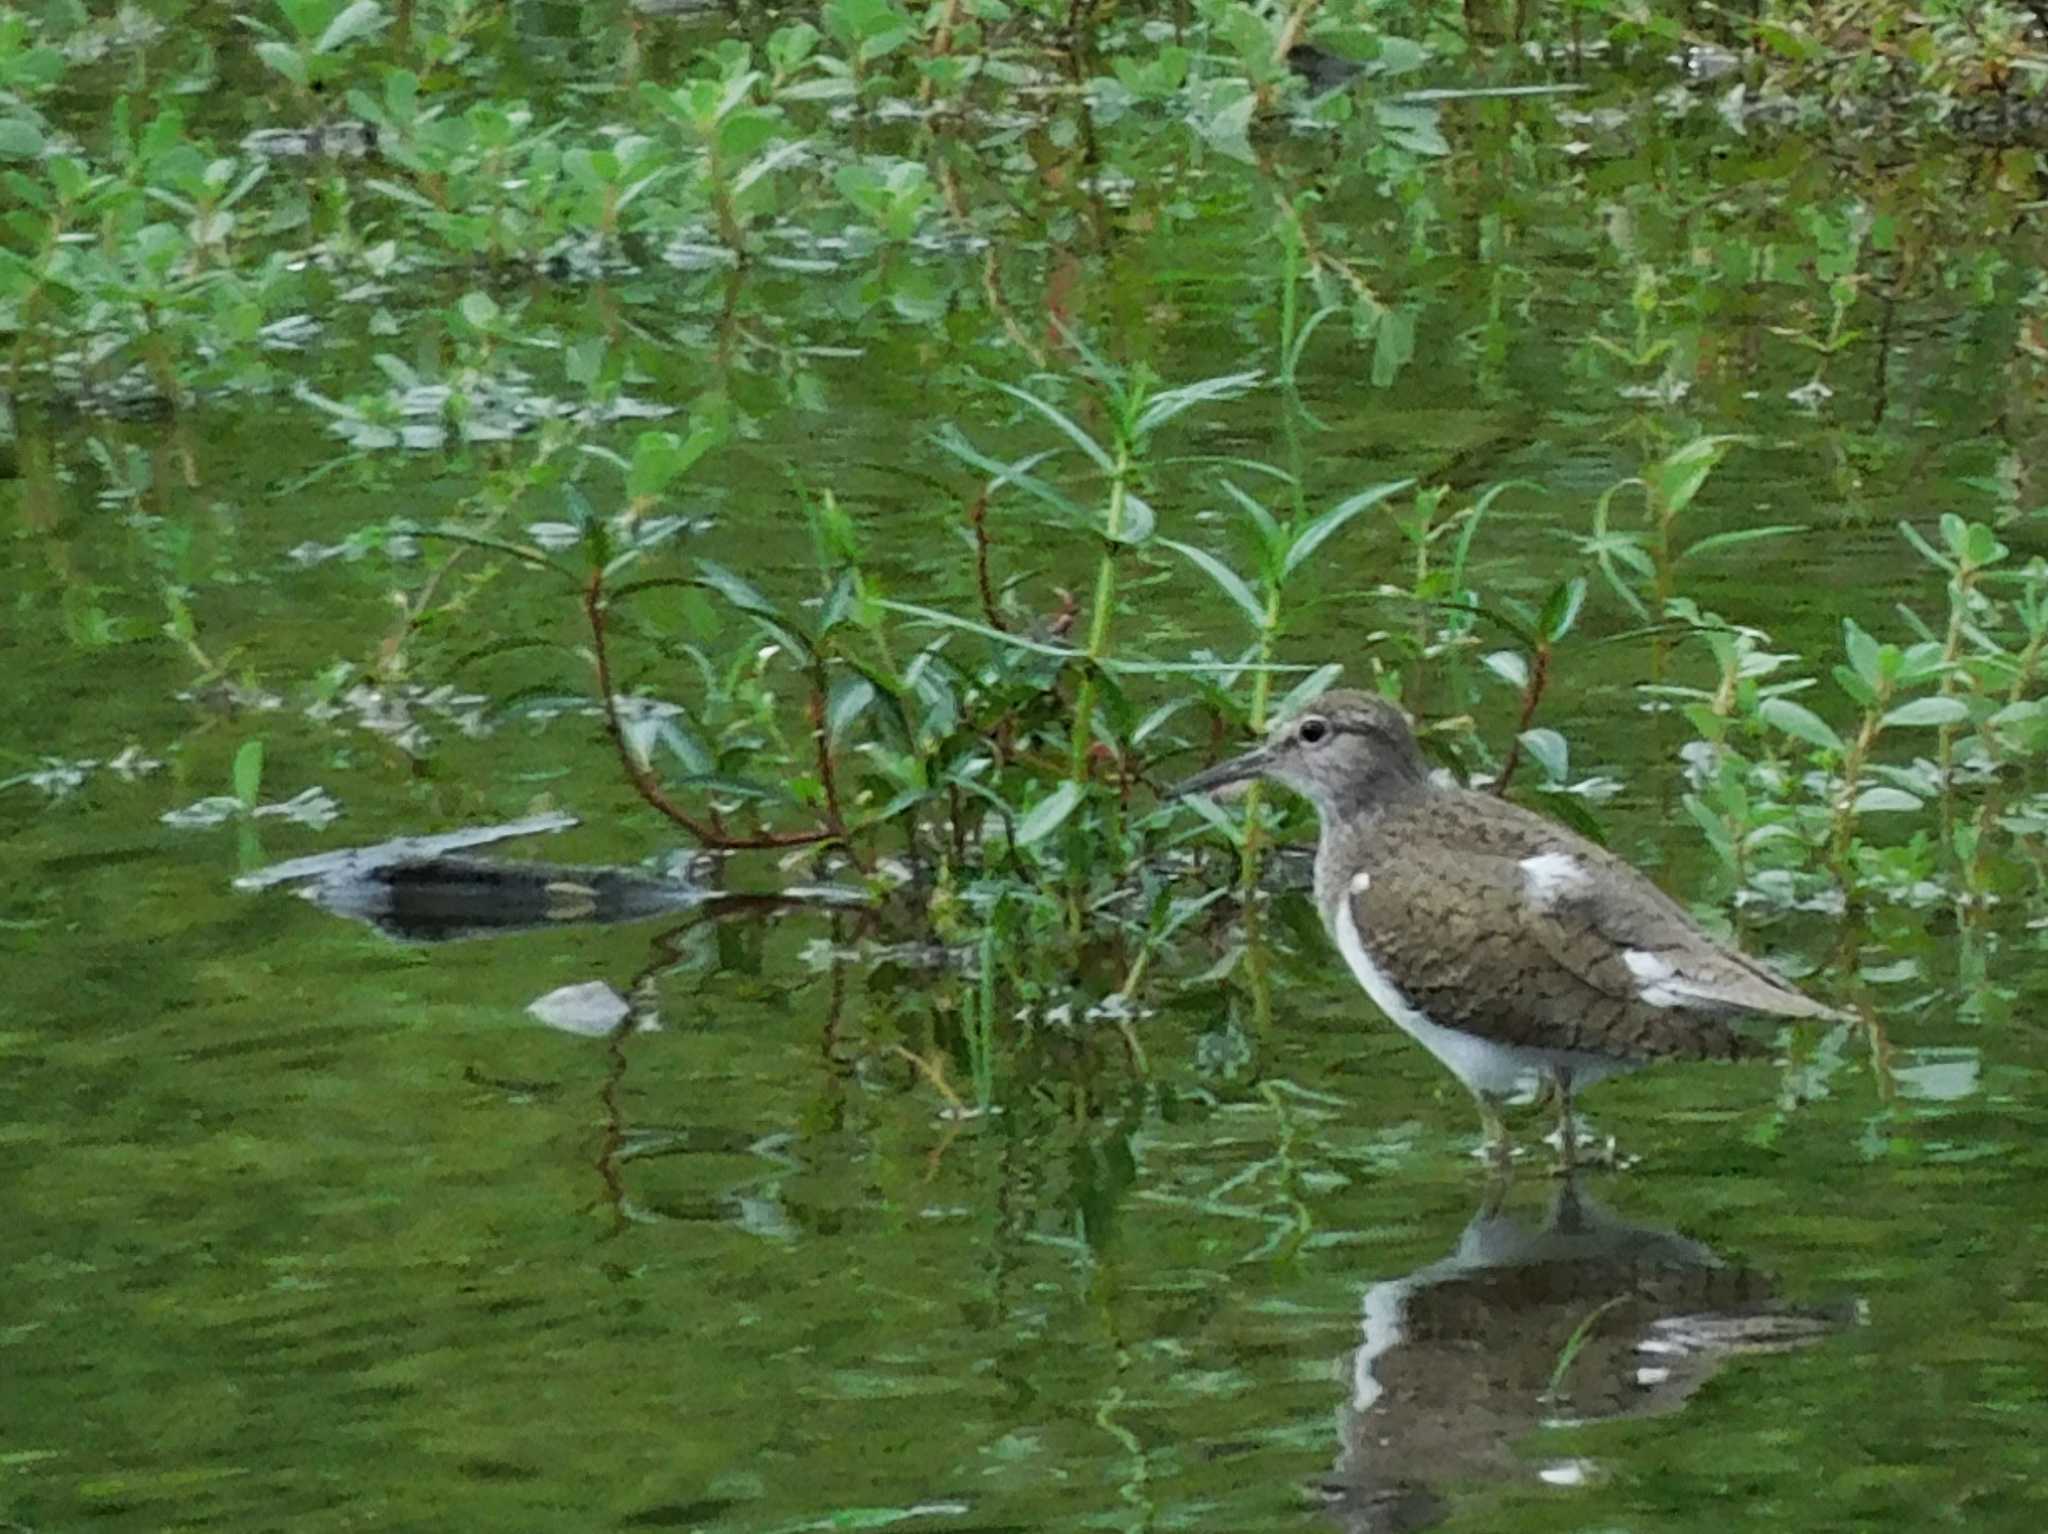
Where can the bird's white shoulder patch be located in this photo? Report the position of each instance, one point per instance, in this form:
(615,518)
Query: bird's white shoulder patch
(1361,882)
(1658,982)
(1549,877)
(1646,966)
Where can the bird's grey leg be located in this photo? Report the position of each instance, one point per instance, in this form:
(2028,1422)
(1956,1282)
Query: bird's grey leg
(1567,1131)
(1494,1145)
(1500,1177)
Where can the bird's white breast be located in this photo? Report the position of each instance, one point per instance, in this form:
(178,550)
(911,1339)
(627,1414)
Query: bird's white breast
(1482,1065)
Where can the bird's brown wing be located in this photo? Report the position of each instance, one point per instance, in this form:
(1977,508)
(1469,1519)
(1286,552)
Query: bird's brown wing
(1675,960)
(1586,965)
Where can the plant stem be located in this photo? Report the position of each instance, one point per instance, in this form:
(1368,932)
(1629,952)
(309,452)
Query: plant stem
(1852,773)
(1539,676)
(1262,688)
(1098,617)
(977,518)
(637,772)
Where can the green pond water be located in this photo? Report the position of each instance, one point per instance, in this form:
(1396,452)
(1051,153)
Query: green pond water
(311,1229)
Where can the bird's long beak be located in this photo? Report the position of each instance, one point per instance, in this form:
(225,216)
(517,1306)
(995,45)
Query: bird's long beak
(1239,769)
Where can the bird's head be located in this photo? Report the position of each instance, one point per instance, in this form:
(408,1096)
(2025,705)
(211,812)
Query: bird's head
(1344,752)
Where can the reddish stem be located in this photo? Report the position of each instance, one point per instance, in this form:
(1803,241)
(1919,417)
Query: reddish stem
(826,778)
(711,833)
(1539,674)
(977,518)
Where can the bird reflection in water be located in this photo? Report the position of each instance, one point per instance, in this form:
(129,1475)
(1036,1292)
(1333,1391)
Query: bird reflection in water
(1582,1318)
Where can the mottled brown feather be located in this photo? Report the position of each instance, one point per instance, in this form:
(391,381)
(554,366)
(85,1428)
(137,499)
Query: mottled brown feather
(1449,915)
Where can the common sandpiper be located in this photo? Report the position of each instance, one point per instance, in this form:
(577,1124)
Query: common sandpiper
(1506,945)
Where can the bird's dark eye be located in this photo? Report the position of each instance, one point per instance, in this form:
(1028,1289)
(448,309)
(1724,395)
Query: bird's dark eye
(1314,732)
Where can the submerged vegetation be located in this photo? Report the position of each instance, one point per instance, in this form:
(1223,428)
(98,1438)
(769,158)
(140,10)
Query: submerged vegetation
(587,373)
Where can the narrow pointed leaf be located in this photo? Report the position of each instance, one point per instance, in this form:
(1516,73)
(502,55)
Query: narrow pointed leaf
(1549,751)
(851,696)
(1227,580)
(1018,474)
(1162,408)
(1719,541)
(1271,539)
(1048,814)
(1928,711)
(948,620)
(1561,609)
(1066,425)
(1800,722)
(1511,666)
(1318,532)
(359,20)
(1859,691)
(736,589)
(1866,655)
(1307,690)
(1678,478)
(1881,800)
(249,772)
(1139,519)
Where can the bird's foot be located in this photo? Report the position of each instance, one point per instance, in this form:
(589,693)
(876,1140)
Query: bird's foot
(1496,1146)
(1586,1147)
(1498,1153)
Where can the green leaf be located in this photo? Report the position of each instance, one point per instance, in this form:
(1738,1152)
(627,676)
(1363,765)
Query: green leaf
(1227,580)
(1921,663)
(1164,406)
(1928,711)
(1309,688)
(736,590)
(1549,751)
(1393,346)
(659,457)
(1511,666)
(359,20)
(1561,609)
(1226,124)
(948,620)
(1607,545)
(1219,818)
(1677,478)
(525,553)
(1877,801)
(750,601)
(851,696)
(1271,538)
(1048,814)
(1137,523)
(1019,474)
(20,139)
(732,787)
(1318,532)
(1800,722)
(1066,424)
(1865,654)
(248,773)
(1710,826)
(1982,546)
(285,59)
(1858,690)
(1719,541)
(1576,813)
(1925,549)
